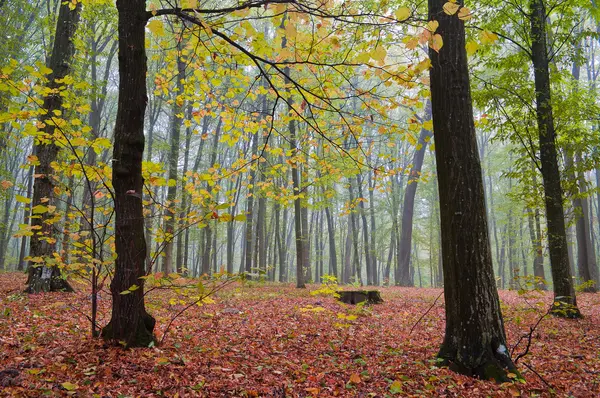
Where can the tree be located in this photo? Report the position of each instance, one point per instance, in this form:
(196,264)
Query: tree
(475,341)
(409,203)
(130,323)
(44,273)
(564,293)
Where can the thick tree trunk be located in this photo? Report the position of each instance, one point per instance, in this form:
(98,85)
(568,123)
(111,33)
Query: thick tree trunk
(47,277)
(130,323)
(564,293)
(409,202)
(475,341)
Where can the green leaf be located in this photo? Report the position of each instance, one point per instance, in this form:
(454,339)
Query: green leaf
(240,217)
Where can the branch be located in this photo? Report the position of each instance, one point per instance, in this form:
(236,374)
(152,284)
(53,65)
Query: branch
(243,6)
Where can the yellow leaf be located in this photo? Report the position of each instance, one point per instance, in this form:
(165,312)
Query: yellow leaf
(451,8)
(69,386)
(471,47)
(189,3)
(379,54)
(465,14)
(157,27)
(39,209)
(402,13)
(355,378)
(428,125)
(432,26)
(488,37)
(436,42)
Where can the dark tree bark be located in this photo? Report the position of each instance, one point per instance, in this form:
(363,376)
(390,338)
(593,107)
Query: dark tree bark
(564,293)
(47,277)
(170,212)
(130,323)
(409,203)
(475,341)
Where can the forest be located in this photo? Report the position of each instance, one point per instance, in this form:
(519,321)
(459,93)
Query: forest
(299,198)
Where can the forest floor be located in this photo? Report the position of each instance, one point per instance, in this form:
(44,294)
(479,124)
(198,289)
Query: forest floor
(266,340)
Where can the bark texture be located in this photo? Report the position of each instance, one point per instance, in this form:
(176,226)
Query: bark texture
(564,293)
(47,277)
(130,323)
(474,342)
(409,203)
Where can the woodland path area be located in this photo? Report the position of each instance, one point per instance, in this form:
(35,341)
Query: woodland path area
(266,340)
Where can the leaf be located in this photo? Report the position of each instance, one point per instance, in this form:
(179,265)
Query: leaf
(451,8)
(39,209)
(488,37)
(69,386)
(402,13)
(6,184)
(432,26)
(354,378)
(22,199)
(471,47)
(157,27)
(240,217)
(465,14)
(396,387)
(437,42)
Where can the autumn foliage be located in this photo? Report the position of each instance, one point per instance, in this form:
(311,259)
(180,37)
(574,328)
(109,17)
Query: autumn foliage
(273,340)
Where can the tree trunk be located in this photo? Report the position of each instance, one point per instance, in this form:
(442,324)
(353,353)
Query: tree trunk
(170,212)
(564,293)
(331,234)
(26,218)
(409,202)
(47,277)
(365,232)
(475,341)
(130,323)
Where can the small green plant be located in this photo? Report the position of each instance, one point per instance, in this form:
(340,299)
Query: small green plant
(329,287)
(587,286)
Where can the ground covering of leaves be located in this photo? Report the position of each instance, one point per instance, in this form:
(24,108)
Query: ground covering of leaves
(277,341)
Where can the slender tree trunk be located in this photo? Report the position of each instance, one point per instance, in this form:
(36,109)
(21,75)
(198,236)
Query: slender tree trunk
(373,254)
(564,293)
(409,202)
(26,218)
(475,341)
(47,276)
(170,213)
(331,234)
(130,323)
(365,232)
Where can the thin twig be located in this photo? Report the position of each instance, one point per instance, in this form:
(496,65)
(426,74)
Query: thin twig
(426,312)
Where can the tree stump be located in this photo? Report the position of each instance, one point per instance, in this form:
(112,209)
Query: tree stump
(360,296)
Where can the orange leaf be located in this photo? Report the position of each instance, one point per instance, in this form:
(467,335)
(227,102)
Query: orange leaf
(355,378)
